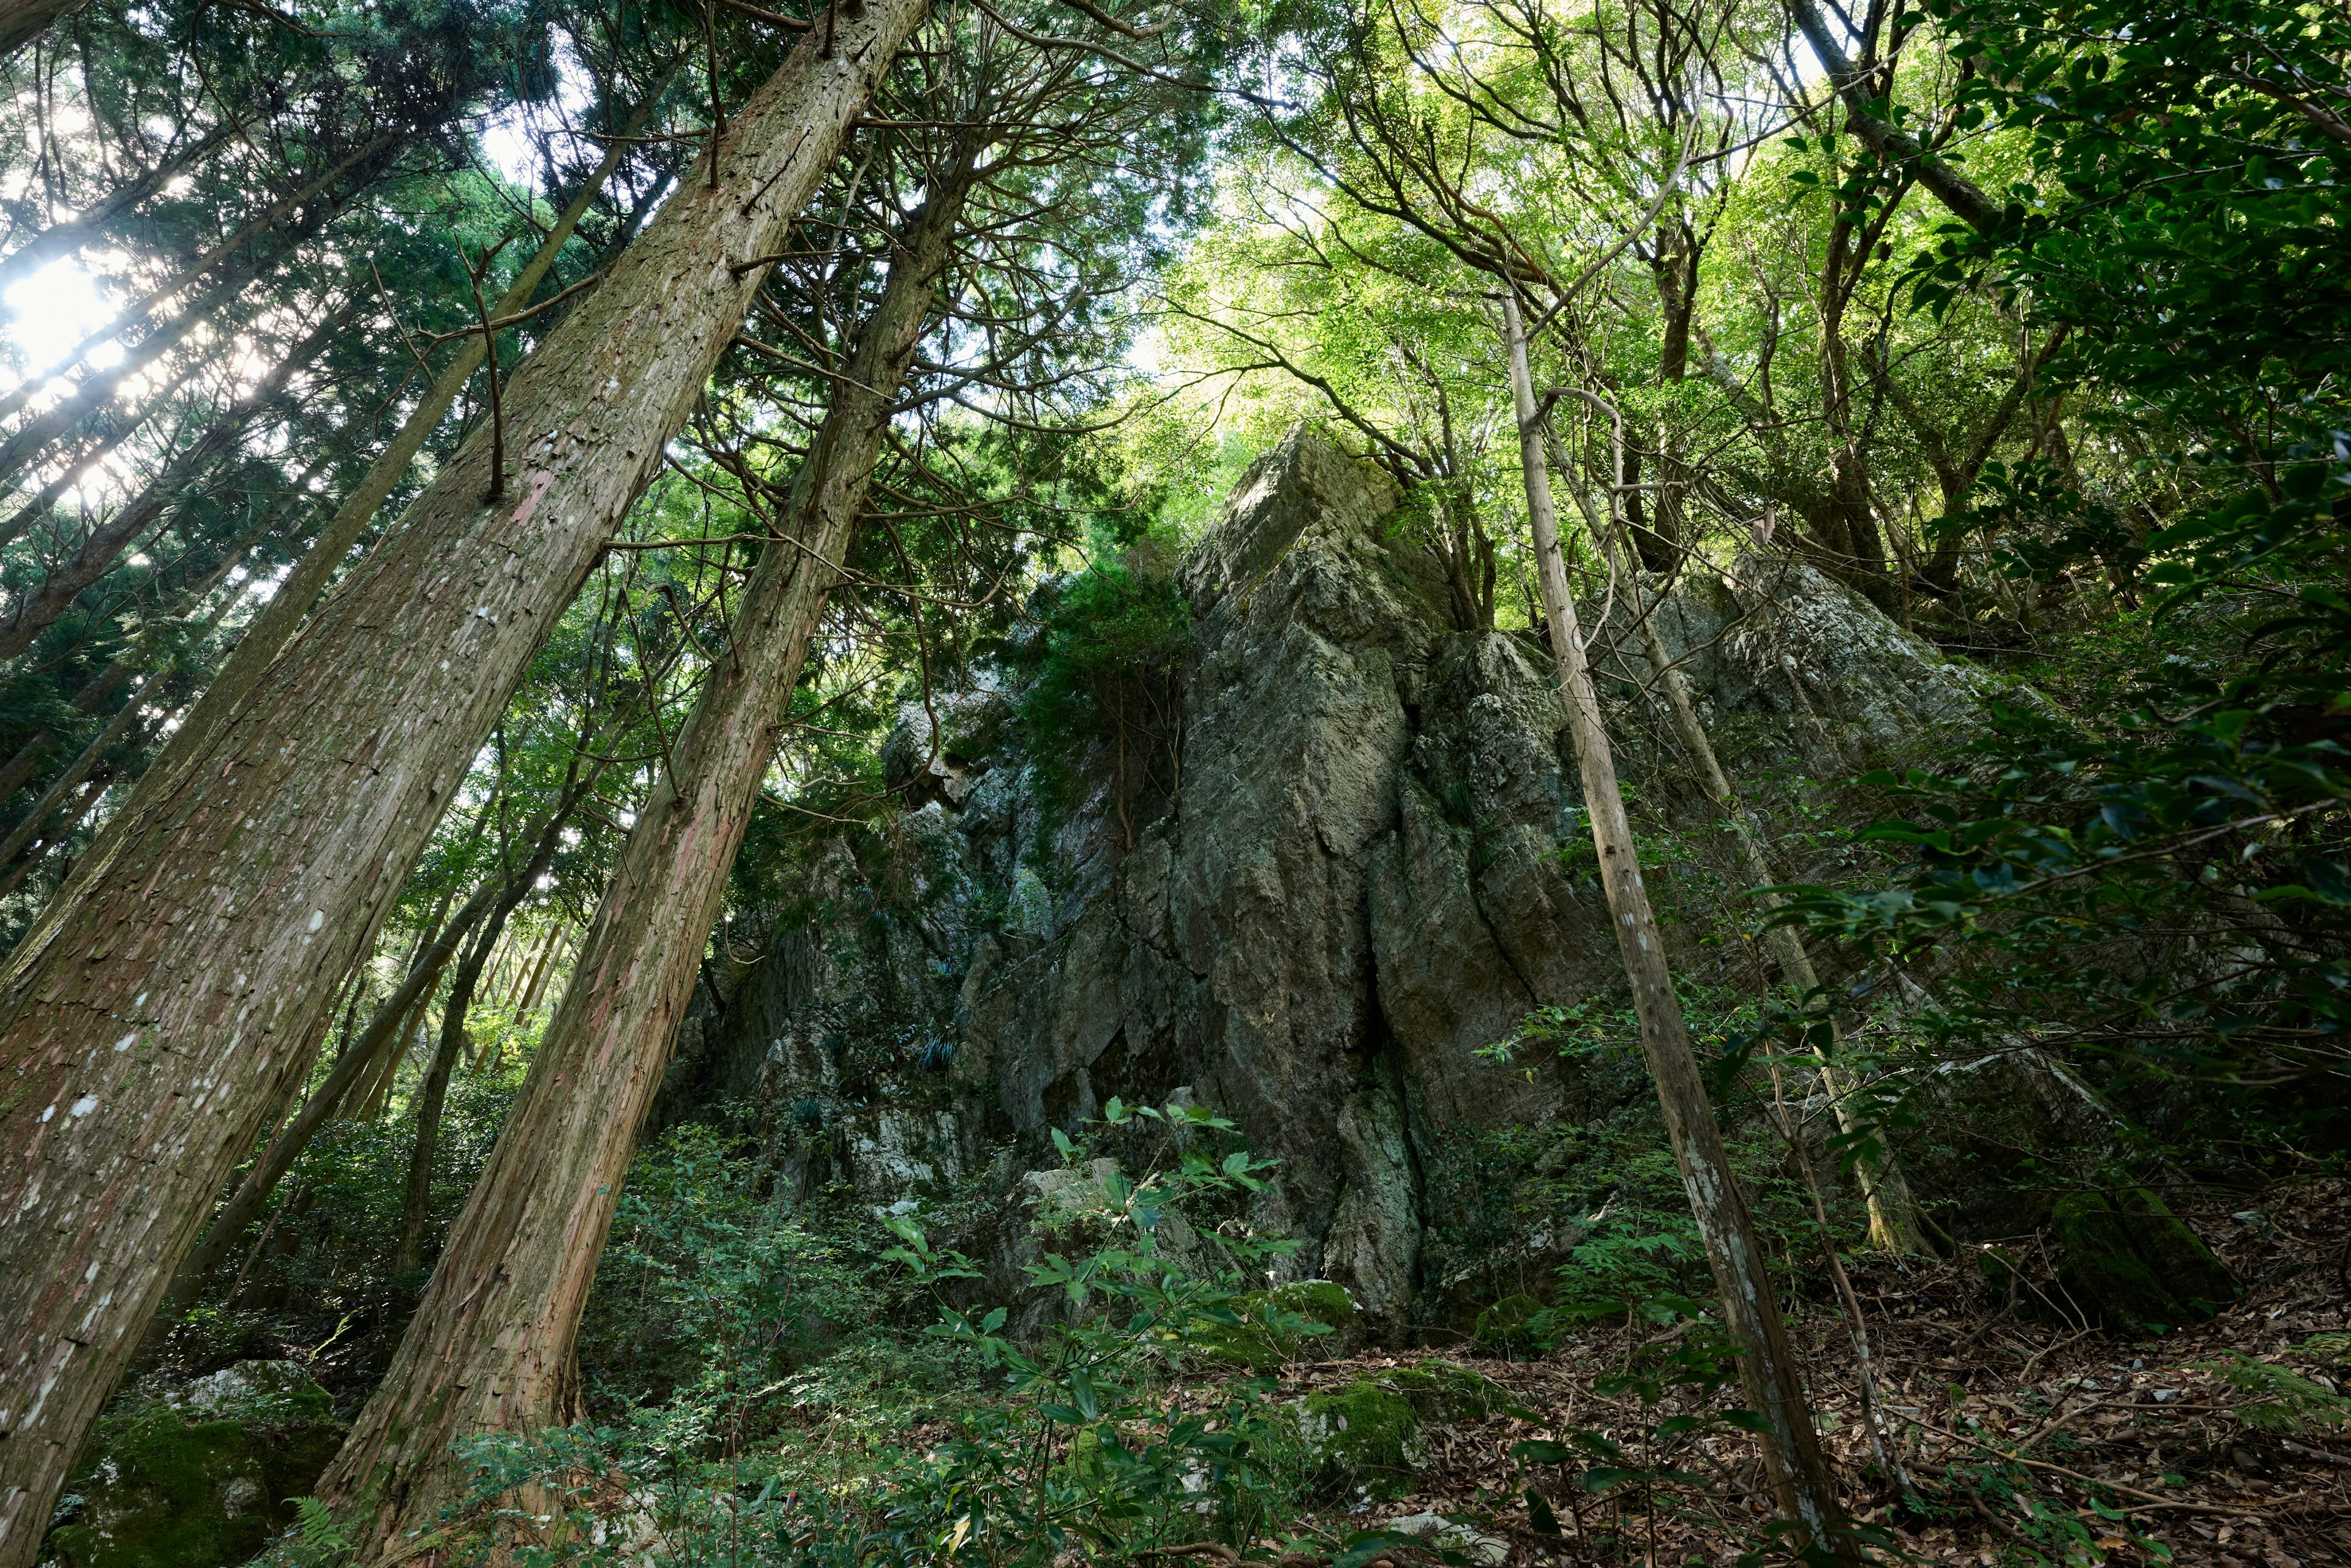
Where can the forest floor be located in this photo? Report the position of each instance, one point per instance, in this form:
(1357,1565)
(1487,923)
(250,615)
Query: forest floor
(2020,1434)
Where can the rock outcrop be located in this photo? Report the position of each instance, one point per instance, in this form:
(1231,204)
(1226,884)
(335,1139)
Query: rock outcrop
(199,1475)
(1367,870)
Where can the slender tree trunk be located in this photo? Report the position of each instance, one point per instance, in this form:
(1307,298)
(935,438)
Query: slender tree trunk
(32,440)
(55,795)
(85,460)
(196,271)
(492,1344)
(279,620)
(150,1021)
(1743,1289)
(92,792)
(58,239)
(364,1054)
(415,1202)
(539,962)
(1893,1215)
(107,682)
(39,609)
(530,999)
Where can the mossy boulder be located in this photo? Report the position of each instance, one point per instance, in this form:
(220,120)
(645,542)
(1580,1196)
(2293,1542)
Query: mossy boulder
(1305,1316)
(1440,1391)
(201,1477)
(2134,1263)
(1364,1438)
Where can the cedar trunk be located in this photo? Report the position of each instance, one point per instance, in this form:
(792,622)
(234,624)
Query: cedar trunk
(149,1026)
(1800,1478)
(492,1344)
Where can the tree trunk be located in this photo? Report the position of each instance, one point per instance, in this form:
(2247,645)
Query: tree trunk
(40,607)
(93,694)
(432,1093)
(73,471)
(153,1016)
(32,440)
(22,21)
(24,864)
(1893,1215)
(194,272)
(382,1036)
(492,1344)
(1743,1289)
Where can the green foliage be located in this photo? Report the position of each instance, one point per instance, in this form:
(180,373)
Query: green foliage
(1069,1439)
(1105,673)
(2281,1399)
(170,1486)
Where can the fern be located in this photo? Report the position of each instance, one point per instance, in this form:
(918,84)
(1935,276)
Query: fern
(2281,1400)
(322,1544)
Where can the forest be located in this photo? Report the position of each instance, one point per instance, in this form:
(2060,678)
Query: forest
(1096,783)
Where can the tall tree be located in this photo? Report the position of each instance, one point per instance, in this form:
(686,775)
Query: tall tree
(144,1043)
(1800,1476)
(491,1346)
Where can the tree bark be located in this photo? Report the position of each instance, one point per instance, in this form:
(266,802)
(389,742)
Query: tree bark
(1893,1215)
(492,1344)
(151,1019)
(1947,184)
(433,1095)
(361,1057)
(22,21)
(1800,1480)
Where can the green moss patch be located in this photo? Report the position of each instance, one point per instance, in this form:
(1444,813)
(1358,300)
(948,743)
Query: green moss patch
(1363,1439)
(1306,1316)
(203,1478)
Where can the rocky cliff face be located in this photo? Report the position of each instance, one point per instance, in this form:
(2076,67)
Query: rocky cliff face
(1367,869)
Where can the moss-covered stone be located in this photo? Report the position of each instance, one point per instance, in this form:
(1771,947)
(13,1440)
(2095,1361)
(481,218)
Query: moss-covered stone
(1264,1340)
(1440,1391)
(1364,1438)
(201,1478)
(2134,1263)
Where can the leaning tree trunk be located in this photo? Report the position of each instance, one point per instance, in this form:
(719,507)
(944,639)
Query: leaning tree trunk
(1893,1215)
(151,1021)
(492,1344)
(22,21)
(33,441)
(277,620)
(432,1093)
(1800,1478)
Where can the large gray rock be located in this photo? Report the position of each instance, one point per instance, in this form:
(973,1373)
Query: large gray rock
(1367,872)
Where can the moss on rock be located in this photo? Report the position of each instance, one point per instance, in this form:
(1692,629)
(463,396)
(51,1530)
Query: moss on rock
(201,1478)
(1440,1391)
(2129,1260)
(1363,1437)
